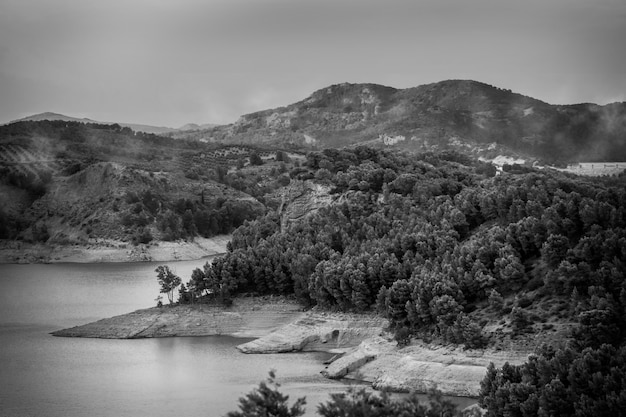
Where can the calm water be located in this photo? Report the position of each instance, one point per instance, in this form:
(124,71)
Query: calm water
(42,375)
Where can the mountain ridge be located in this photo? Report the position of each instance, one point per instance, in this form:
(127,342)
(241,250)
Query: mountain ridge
(137,127)
(463,115)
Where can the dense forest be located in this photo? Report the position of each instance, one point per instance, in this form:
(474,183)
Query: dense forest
(450,251)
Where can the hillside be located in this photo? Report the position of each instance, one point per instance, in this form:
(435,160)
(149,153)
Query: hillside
(456,266)
(77,183)
(466,116)
(527,262)
(50,116)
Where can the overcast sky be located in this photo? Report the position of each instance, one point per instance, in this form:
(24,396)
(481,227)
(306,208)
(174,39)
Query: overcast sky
(171,62)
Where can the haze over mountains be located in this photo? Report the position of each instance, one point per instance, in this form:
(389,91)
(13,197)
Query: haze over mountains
(157,130)
(463,115)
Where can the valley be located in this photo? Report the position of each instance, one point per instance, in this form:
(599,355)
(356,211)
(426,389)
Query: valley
(453,234)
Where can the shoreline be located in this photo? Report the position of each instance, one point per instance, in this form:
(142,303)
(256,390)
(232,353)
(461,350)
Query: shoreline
(109,251)
(248,317)
(362,347)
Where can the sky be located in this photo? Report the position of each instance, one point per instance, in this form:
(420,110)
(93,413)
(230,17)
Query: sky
(172,62)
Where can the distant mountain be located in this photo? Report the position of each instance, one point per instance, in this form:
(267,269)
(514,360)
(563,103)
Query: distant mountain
(158,130)
(457,114)
(52,116)
(194,126)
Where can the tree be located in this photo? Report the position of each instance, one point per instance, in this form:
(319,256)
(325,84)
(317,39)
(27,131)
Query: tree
(168,281)
(363,403)
(397,297)
(281,156)
(554,249)
(495,300)
(255,159)
(266,400)
(564,382)
(220,172)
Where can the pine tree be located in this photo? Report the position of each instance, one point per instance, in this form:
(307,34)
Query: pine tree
(266,400)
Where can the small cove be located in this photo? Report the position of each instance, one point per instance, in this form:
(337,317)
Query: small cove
(51,376)
(72,377)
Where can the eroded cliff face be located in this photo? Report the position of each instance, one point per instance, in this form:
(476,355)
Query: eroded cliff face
(363,348)
(319,331)
(419,367)
(302,198)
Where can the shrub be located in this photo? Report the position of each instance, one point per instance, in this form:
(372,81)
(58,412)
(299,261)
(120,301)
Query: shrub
(267,400)
(142,236)
(402,335)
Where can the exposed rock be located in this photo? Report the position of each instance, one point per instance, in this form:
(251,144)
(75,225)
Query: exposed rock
(281,326)
(419,367)
(247,317)
(475,113)
(367,351)
(318,331)
(301,198)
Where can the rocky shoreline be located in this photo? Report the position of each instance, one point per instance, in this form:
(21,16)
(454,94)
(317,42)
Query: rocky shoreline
(102,250)
(364,350)
(419,366)
(248,317)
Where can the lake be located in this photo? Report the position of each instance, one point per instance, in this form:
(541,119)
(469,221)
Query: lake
(48,376)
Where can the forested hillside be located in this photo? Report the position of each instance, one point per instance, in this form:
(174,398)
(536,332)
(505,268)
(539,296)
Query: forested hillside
(450,252)
(67,182)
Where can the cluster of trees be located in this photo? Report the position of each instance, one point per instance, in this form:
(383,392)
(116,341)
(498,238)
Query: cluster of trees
(184,218)
(160,212)
(35,185)
(436,244)
(564,382)
(428,240)
(267,400)
(111,136)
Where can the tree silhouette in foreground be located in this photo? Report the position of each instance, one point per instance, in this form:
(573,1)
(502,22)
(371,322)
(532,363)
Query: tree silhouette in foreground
(266,400)
(363,403)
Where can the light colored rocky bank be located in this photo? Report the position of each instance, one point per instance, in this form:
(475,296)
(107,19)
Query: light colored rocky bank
(247,317)
(419,367)
(319,331)
(112,251)
(366,352)
(363,349)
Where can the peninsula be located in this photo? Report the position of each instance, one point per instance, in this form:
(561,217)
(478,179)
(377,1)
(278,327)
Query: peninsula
(362,346)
